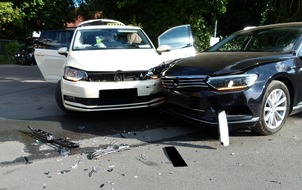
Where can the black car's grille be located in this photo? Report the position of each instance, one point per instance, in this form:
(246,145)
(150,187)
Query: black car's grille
(116,76)
(184,81)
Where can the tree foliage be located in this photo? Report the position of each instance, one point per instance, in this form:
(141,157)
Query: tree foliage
(156,16)
(245,13)
(19,18)
(34,15)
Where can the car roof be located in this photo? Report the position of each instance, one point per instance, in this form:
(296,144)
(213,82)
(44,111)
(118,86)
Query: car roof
(104,23)
(279,25)
(98,22)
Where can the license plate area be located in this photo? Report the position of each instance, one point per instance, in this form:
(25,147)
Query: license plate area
(118,93)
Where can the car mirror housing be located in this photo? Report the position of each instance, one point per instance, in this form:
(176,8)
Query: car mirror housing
(163,48)
(63,51)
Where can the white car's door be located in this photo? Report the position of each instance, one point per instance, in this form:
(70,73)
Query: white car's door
(49,61)
(180,40)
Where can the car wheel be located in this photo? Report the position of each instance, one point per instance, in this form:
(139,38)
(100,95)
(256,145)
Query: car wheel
(58,96)
(274,109)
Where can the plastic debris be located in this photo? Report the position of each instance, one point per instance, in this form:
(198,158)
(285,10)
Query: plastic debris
(110,168)
(63,172)
(223,128)
(93,170)
(26,160)
(64,152)
(110,149)
(144,157)
(51,139)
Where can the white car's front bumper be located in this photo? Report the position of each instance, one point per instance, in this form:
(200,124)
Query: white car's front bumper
(100,96)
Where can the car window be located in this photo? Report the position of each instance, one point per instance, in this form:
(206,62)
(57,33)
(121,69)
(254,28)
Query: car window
(234,43)
(177,37)
(88,39)
(278,39)
(274,40)
(54,39)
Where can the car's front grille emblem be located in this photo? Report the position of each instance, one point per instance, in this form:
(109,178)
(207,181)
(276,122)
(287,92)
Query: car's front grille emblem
(175,82)
(118,76)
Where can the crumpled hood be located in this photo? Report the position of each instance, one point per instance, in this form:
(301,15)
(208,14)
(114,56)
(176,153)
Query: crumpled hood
(220,63)
(113,60)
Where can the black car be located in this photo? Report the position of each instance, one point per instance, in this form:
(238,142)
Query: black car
(25,56)
(253,75)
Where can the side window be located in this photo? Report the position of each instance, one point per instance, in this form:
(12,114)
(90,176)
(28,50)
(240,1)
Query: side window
(177,37)
(54,39)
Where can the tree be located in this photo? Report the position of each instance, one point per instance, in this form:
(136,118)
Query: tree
(278,11)
(157,16)
(35,15)
(245,13)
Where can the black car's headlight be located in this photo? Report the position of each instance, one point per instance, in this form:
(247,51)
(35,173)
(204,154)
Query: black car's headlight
(232,82)
(75,75)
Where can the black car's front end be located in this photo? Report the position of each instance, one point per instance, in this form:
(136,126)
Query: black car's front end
(200,87)
(194,98)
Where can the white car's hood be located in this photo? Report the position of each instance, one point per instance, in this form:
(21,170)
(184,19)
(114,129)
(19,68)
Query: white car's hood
(113,60)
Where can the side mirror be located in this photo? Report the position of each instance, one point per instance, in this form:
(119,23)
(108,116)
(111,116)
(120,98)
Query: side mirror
(63,51)
(163,48)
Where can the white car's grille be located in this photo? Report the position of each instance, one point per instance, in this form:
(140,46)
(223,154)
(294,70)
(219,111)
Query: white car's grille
(116,76)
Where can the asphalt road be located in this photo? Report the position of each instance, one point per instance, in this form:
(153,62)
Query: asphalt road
(249,162)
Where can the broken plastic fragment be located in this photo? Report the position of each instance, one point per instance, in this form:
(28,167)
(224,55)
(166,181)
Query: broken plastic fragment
(110,149)
(93,170)
(63,172)
(26,160)
(110,168)
(223,128)
(64,151)
(144,157)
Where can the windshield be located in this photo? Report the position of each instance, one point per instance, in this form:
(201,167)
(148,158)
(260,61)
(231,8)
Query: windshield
(88,39)
(268,40)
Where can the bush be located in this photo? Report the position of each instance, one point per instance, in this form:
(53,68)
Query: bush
(12,47)
(4,59)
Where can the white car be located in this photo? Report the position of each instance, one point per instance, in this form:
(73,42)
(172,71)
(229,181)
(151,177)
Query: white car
(106,65)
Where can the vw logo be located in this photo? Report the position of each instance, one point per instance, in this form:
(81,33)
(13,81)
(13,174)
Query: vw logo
(175,82)
(118,76)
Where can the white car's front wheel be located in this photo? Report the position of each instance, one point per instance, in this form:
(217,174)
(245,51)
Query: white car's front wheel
(274,109)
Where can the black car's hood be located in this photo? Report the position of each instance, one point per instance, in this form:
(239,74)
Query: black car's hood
(220,63)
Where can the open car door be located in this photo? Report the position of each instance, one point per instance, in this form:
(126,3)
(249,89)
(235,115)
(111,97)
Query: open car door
(49,61)
(180,41)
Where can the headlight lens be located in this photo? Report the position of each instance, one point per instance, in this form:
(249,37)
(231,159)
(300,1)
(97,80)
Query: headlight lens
(155,72)
(233,82)
(75,75)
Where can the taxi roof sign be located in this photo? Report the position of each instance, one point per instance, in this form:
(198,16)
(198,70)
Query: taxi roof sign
(95,22)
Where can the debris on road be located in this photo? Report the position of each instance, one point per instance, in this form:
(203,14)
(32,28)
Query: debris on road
(223,128)
(110,149)
(93,170)
(26,160)
(175,157)
(48,137)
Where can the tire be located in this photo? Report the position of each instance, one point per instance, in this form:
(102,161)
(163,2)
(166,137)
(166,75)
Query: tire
(275,108)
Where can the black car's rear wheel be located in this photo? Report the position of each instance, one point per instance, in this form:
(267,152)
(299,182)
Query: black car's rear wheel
(274,109)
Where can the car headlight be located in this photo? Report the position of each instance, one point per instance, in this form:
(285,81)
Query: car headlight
(155,72)
(233,82)
(75,75)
